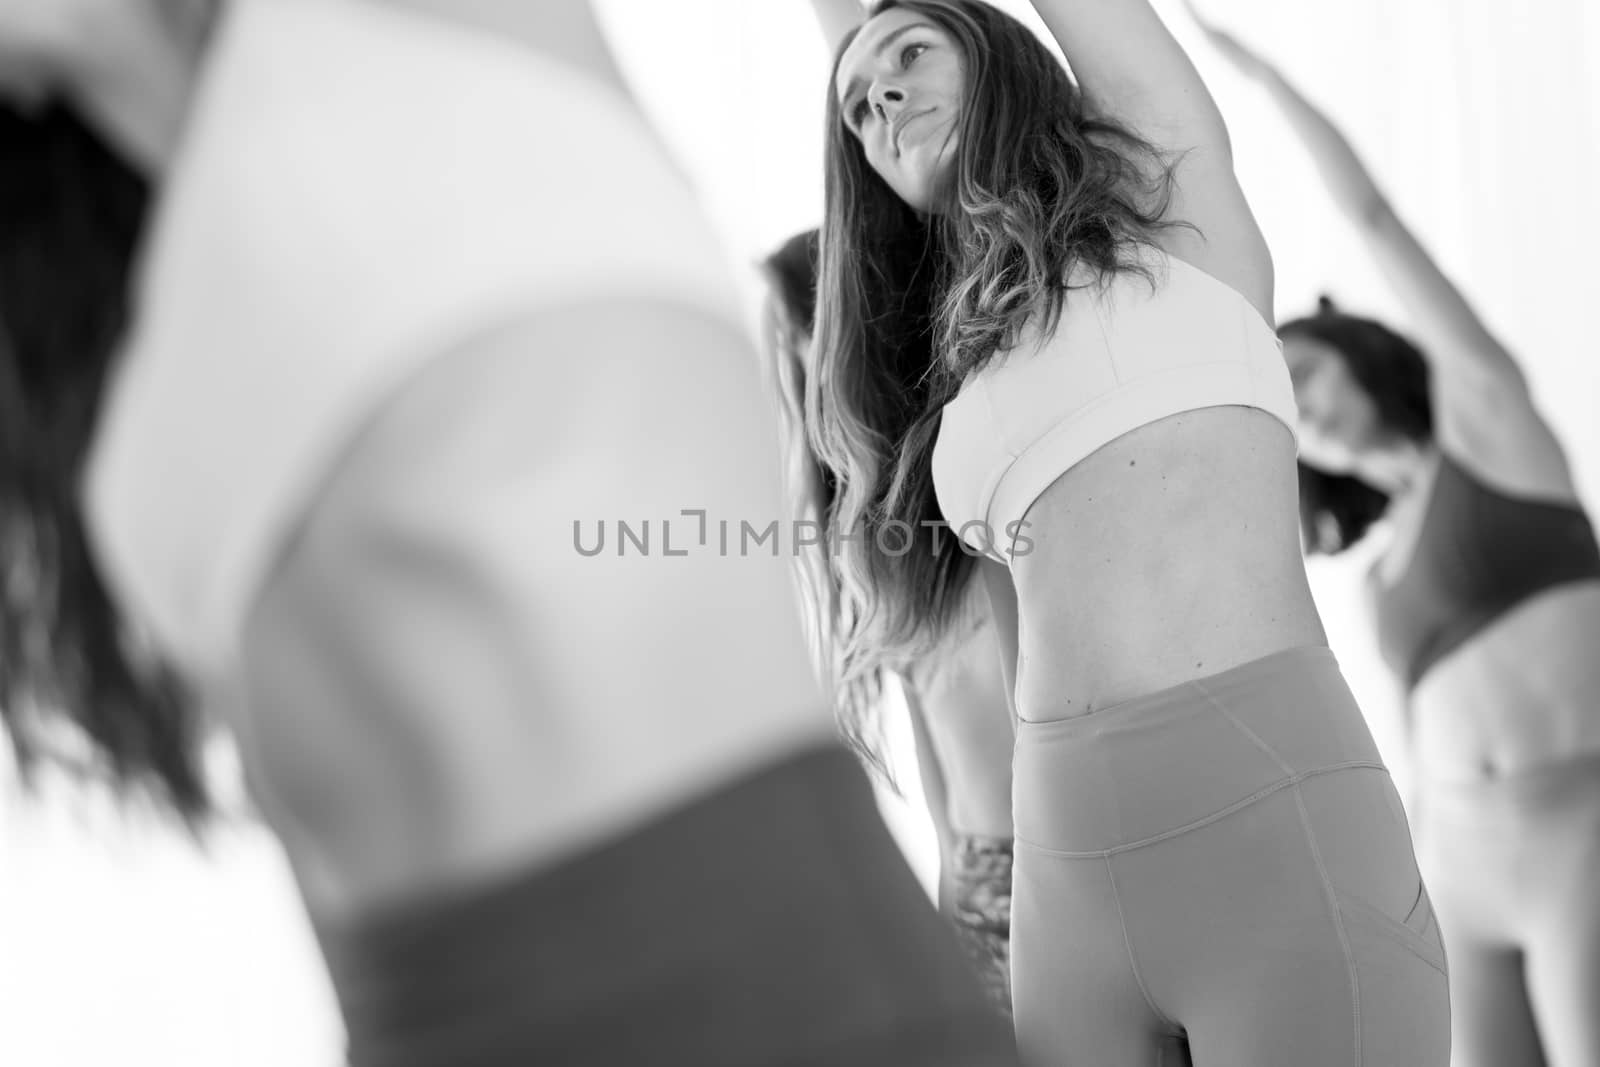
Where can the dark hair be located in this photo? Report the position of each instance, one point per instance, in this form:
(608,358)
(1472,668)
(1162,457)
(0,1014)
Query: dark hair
(909,306)
(1337,510)
(792,275)
(792,270)
(73,213)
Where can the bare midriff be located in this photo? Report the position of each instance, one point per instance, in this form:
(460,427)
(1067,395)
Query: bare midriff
(1523,693)
(1169,554)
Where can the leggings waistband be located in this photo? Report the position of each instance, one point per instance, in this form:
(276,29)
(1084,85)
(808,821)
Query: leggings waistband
(1158,765)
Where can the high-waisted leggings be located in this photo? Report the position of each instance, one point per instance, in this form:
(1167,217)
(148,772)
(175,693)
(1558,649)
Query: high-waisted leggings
(1221,873)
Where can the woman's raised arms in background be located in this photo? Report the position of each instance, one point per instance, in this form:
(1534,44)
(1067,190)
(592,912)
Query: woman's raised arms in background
(1483,412)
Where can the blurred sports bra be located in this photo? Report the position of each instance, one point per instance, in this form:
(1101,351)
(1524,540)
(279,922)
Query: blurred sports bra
(1479,553)
(1124,354)
(360,190)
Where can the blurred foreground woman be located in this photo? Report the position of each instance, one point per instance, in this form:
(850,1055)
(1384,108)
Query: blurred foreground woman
(424,302)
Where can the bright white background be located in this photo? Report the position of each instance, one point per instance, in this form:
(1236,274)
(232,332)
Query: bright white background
(120,943)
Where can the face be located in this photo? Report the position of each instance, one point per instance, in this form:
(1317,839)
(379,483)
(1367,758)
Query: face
(900,88)
(1339,423)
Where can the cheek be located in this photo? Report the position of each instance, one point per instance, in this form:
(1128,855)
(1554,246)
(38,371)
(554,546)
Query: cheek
(1312,398)
(881,160)
(949,150)
(947,80)
(932,164)
(1356,412)
(1323,438)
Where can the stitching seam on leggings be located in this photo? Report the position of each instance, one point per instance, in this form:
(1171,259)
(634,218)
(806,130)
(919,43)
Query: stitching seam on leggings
(1238,805)
(1127,943)
(1338,918)
(1249,733)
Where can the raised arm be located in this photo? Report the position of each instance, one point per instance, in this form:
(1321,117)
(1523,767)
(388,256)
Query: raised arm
(836,19)
(1132,71)
(1484,412)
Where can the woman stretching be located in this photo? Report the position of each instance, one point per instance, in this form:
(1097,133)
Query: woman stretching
(1044,322)
(1486,602)
(955,696)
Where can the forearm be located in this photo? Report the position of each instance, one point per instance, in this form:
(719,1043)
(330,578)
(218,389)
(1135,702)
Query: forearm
(566,29)
(1349,183)
(934,789)
(1445,324)
(837,18)
(1456,342)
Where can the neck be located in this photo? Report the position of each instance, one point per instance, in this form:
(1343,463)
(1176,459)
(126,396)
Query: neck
(564,29)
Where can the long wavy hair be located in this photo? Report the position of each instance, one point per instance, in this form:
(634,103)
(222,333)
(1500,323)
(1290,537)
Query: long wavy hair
(791,276)
(909,305)
(1337,510)
(789,326)
(73,211)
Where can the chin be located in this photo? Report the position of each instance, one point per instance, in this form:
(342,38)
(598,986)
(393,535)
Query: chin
(928,189)
(919,202)
(1329,460)
(932,207)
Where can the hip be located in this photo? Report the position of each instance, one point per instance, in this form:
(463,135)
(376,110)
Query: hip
(1166,762)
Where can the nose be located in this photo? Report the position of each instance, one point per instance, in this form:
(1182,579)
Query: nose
(887,99)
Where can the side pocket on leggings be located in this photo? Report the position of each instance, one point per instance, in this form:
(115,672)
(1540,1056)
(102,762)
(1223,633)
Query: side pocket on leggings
(1419,932)
(1363,845)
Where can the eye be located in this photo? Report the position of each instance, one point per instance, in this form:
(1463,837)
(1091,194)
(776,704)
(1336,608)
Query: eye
(909,54)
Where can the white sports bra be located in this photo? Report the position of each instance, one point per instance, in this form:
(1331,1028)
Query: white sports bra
(1121,357)
(360,190)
